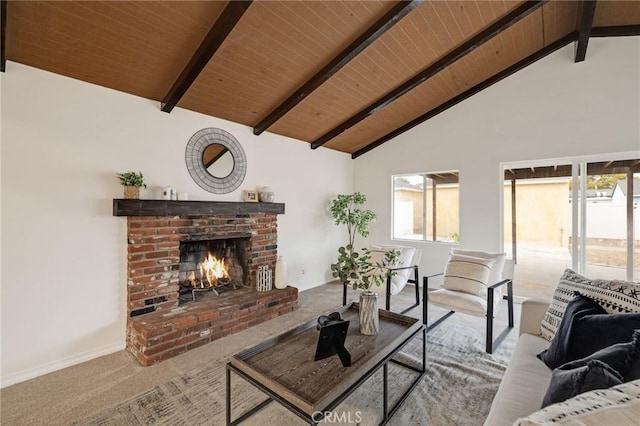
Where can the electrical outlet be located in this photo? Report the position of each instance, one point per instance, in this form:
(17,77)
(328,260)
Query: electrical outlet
(302,271)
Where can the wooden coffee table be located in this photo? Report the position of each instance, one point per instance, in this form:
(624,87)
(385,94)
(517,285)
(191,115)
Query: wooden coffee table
(283,367)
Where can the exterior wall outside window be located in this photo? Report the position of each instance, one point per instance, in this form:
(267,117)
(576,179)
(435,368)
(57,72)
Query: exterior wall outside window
(409,210)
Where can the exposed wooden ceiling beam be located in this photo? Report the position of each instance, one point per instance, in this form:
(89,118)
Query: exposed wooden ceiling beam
(442,178)
(609,168)
(383,24)
(451,57)
(216,36)
(586,13)
(3,34)
(616,31)
(565,170)
(472,91)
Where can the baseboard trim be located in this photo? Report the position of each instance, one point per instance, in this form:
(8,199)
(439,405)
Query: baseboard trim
(50,367)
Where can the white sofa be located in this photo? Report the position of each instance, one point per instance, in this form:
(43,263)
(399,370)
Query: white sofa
(526,380)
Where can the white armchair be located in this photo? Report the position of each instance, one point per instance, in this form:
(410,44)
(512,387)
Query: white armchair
(473,284)
(407,271)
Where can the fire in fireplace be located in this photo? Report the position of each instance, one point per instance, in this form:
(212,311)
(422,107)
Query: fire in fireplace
(212,265)
(213,272)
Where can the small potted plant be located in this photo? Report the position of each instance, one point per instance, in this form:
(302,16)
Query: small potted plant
(132,182)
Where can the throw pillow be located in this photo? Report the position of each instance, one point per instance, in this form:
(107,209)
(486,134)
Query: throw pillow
(618,405)
(567,383)
(586,328)
(591,333)
(613,295)
(497,269)
(622,357)
(558,352)
(467,274)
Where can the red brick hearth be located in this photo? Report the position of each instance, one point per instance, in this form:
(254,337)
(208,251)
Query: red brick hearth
(157,327)
(165,334)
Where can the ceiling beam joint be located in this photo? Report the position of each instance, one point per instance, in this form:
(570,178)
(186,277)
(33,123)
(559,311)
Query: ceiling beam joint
(586,13)
(212,41)
(616,31)
(470,92)
(3,35)
(451,57)
(382,25)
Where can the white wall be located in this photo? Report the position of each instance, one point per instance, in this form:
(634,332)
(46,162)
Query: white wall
(554,108)
(608,220)
(64,253)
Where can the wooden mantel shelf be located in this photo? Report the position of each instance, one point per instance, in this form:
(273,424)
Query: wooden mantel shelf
(123,207)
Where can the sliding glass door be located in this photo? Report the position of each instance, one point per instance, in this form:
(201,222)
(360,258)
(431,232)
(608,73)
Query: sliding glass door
(579,215)
(612,226)
(537,218)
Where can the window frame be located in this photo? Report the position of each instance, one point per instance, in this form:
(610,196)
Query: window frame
(425,177)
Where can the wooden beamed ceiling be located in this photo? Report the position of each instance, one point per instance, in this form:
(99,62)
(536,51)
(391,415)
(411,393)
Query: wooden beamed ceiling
(347,75)
(372,33)
(433,69)
(216,36)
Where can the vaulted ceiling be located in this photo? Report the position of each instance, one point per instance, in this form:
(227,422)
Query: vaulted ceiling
(346,75)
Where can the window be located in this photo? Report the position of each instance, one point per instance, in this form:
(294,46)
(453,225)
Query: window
(426,207)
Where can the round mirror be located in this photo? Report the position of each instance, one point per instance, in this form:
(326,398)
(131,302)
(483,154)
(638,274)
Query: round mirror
(218,161)
(215,160)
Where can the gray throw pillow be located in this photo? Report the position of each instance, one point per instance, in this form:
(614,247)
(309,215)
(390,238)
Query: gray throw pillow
(586,328)
(567,383)
(578,307)
(622,357)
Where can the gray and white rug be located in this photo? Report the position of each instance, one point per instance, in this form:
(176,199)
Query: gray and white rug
(457,389)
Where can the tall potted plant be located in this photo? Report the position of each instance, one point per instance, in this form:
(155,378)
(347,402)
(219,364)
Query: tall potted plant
(132,182)
(356,268)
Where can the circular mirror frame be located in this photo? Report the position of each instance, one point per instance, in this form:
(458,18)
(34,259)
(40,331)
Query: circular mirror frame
(193,157)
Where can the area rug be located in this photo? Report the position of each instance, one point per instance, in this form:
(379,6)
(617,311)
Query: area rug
(459,385)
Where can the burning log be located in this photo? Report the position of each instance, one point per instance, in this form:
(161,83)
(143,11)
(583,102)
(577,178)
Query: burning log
(213,270)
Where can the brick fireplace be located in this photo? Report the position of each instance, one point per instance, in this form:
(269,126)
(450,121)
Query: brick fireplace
(160,323)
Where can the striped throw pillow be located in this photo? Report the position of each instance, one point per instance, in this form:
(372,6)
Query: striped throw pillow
(614,296)
(618,405)
(467,274)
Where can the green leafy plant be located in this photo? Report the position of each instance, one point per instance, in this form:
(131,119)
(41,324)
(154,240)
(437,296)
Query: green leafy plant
(131,179)
(353,268)
(455,237)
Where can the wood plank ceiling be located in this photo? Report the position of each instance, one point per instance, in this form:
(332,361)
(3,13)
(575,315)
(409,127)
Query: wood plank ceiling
(387,65)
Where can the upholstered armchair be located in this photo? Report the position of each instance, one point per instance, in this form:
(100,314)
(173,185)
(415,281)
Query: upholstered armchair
(407,271)
(474,283)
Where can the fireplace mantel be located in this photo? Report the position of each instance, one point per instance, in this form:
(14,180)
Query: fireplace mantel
(124,207)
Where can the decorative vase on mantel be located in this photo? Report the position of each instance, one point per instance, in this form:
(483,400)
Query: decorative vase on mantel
(131,192)
(281,273)
(369,315)
(266,195)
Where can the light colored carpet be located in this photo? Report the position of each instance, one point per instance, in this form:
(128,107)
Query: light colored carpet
(458,388)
